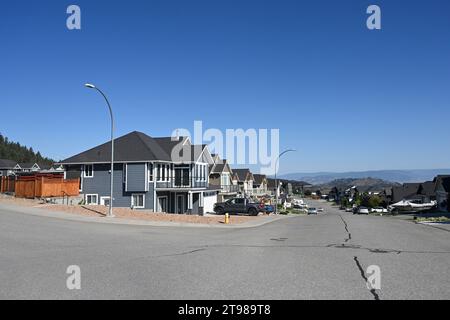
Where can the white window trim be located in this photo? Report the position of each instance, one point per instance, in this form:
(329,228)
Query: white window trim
(84,171)
(104,198)
(91,195)
(143,200)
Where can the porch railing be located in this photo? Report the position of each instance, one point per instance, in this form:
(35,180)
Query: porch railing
(181,183)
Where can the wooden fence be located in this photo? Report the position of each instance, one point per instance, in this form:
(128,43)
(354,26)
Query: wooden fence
(41,186)
(7,184)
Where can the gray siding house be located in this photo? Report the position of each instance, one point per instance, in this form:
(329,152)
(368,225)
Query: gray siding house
(7,167)
(159,174)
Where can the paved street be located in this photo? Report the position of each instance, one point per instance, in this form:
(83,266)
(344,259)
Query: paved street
(306,257)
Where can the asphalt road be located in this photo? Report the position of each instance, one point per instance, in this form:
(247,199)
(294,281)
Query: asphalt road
(307,257)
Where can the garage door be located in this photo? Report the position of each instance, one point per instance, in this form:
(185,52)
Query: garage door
(209,200)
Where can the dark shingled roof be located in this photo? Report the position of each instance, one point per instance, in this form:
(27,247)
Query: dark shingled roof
(427,188)
(271,183)
(444,180)
(259,178)
(241,173)
(27,165)
(7,164)
(408,191)
(135,146)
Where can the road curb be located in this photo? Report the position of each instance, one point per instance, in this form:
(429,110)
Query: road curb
(131,222)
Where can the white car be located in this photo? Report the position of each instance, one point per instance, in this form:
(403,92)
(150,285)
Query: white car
(363,210)
(380,210)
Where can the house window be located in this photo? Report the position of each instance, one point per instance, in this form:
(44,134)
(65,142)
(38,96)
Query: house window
(163,172)
(158,172)
(89,171)
(150,172)
(225,179)
(104,201)
(138,201)
(92,199)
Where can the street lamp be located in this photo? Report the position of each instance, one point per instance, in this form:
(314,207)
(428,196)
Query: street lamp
(110,213)
(276,181)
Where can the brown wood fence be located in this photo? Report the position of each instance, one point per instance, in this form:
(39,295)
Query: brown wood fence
(45,187)
(7,184)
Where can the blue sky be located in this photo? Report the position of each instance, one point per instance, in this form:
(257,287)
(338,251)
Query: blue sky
(345,97)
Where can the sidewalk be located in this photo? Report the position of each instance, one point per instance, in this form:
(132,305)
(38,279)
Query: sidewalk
(74,217)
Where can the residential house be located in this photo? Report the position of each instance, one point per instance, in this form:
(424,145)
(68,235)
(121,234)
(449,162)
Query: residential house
(7,167)
(244,179)
(158,174)
(271,186)
(27,167)
(336,194)
(260,185)
(442,192)
(220,176)
(419,192)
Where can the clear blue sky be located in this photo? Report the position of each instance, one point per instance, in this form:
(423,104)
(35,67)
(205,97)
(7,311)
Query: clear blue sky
(347,98)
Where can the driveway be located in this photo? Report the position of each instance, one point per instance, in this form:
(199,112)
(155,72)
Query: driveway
(305,257)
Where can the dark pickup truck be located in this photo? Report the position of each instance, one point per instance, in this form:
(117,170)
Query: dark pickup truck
(241,205)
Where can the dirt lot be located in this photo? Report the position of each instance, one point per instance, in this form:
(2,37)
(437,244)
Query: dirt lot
(123,213)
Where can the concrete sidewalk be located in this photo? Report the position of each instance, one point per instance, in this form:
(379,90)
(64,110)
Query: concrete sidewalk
(73,217)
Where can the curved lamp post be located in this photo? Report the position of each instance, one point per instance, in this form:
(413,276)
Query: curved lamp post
(110,212)
(276,181)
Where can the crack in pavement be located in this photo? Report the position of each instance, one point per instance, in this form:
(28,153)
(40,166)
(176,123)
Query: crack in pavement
(174,254)
(363,275)
(333,245)
(349,235)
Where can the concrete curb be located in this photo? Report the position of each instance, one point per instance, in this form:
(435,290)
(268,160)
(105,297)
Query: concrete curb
(118,221)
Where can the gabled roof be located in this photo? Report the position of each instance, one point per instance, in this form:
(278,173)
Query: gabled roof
(427,188)
(7,164)
(243,174)
(132,147)
(443,180)
(407,191)
(259,178)
(27,165)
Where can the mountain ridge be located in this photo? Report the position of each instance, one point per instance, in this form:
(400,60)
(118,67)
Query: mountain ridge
(399,176)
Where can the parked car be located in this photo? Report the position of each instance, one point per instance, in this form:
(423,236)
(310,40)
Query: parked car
(312,211)
(320,210)
(241,206)
(380,210)
(363,210)
(348,209)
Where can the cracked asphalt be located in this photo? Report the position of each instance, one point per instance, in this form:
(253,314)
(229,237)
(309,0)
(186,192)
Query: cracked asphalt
(307,257)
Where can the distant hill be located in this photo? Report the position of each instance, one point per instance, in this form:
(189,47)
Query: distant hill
(400,176)
(15,151)
(363,185)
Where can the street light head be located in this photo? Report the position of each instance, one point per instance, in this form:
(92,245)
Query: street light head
(90,86)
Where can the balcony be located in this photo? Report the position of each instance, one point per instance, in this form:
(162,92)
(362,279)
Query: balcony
(229,189)
(181,183)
